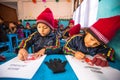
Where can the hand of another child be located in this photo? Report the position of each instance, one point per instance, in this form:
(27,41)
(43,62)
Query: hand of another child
(40,53)
(22,54)
(79,55)
(100,60)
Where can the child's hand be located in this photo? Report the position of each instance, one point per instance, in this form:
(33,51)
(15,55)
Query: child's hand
(100,60)
(40,53)
(22,54)
(79,55)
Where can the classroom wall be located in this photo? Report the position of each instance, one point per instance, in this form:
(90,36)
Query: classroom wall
(29,10)
(8,14)
(109,8)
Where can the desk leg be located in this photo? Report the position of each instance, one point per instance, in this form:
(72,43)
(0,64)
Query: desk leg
(11,48)
(16,41)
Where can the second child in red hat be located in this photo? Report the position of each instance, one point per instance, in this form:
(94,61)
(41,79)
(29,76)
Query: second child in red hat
(74,30)
(43,40)
(94,42)
(66,30)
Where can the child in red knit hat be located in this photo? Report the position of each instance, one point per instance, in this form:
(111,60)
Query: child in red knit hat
(66,31)
(43,40)
(74,30)
(94,41)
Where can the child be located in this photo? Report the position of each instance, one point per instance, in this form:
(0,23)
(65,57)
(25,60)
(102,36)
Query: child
(19,24)
(12,28)
(56,23)
(28,26)
(94,41)
(71,24)
(20,33)
(66,31)
(59,31)
(44,41)
(74,30)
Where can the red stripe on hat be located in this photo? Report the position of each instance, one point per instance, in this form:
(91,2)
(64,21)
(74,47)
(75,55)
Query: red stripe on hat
(99,35)
(45,22)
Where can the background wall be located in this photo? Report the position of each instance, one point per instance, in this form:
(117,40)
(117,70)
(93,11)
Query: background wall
(8,13)
(29,10)
(109,8)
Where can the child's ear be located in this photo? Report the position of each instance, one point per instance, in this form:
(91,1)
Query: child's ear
(86,32)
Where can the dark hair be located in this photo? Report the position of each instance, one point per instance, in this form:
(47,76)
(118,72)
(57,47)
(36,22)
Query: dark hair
(1,18)
(94,35)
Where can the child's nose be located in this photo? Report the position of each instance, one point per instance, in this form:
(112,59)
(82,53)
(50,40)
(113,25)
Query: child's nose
(92,44)
(42,30)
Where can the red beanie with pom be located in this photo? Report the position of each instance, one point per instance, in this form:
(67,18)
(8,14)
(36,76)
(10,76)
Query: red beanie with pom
(105,28)
(56,23)
(47,18)
(75,30)
(71,21)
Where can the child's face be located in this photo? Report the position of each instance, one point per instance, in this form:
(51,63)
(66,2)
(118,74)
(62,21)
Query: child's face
(11,25)
(71,25)
(28,26)
(91,41)
(43,29)
(61,27)
(1,21)
(19,22)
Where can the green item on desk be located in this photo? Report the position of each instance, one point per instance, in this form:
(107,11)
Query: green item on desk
(56,65)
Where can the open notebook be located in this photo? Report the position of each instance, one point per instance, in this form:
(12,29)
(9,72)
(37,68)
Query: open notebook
(86,72)
(20,69)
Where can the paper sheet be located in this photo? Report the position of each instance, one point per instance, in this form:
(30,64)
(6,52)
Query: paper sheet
(83,72)
(16,68)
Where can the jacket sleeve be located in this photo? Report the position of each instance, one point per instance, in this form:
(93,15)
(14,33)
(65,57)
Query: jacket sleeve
(27,42)
(107,51)
(54,48)
(70,46)
(65,34)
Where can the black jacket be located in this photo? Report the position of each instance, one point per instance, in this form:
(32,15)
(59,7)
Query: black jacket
(76,43)
(50,42)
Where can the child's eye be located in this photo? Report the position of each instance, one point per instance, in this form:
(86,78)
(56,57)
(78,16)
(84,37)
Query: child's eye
(45,27)
(92,39)
(96,44)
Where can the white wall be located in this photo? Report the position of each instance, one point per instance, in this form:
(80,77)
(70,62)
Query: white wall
(28,10)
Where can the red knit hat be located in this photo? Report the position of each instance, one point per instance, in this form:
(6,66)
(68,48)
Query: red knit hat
(56,23)
(71,21)
(105,28)
(47,18)
(75,30)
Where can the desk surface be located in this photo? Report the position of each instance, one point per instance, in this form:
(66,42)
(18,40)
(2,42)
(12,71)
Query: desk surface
(44,73)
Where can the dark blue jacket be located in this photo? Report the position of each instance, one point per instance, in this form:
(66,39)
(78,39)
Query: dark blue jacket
(50,42)
(76,43)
